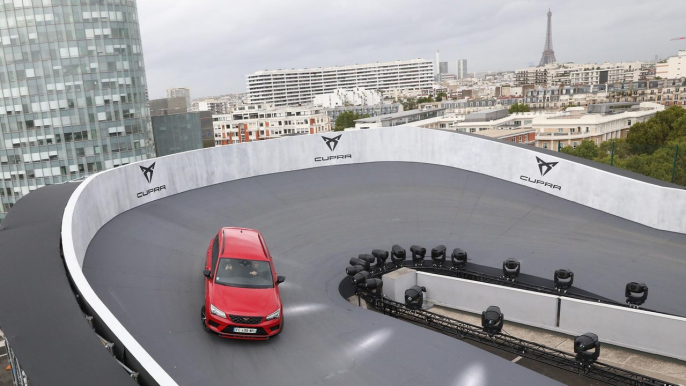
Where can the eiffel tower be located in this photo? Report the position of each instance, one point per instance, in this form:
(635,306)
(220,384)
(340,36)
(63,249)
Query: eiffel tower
(548,53)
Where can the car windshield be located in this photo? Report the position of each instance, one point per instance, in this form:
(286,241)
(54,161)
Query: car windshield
(244,273)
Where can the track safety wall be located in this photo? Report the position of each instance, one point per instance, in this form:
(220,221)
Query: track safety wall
(107,194)
(636,329)
(530,308)
(632,328)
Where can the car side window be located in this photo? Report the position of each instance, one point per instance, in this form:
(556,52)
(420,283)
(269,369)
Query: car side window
(215,253)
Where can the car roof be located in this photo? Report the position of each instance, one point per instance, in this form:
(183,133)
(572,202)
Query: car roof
(242,243)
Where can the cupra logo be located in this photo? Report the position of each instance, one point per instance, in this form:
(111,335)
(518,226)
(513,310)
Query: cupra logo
(547,165)
(332,142)
(147,172)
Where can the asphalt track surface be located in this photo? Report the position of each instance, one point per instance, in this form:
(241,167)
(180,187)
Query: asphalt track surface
(146,265)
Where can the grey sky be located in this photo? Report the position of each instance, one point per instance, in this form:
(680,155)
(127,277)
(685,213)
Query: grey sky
(210,45)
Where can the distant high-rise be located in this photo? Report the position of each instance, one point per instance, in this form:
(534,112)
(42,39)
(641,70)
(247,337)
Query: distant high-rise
(436,63)
(178,130)
(548,53)
(180,92)
(443,67)
(74,88)
(461,69)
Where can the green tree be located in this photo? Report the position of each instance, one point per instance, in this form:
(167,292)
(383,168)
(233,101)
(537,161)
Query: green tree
(587,149)
(649,149)
(668,125)
(519,108)
(346,120)
(408,103)
(441,96)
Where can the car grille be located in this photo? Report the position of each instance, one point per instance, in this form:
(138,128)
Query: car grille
(245,319)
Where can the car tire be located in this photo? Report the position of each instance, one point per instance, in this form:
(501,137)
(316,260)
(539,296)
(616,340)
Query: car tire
(203,317)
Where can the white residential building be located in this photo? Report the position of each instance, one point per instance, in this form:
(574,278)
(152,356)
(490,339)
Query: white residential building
(215,106)
(249,123)
(300,86)
(672,68)
(566,74)
(355,97)
(576,125)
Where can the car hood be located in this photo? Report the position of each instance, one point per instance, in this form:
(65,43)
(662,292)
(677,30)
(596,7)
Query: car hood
(245,301)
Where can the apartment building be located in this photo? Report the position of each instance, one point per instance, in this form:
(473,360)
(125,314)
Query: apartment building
(355,97)
(557,98)
(249,123)
(300,86)
(668,92)
(570,74)
(215,106)
(578,124)
(673,67)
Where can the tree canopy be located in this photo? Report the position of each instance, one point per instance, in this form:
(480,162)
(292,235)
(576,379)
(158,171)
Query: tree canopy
(519,108)
(649,149)
(347,119)
(408,103)
(587,149)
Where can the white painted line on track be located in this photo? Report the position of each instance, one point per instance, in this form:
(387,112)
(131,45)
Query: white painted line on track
(516,359)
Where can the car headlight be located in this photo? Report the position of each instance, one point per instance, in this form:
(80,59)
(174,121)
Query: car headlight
(216,311)
(274,315)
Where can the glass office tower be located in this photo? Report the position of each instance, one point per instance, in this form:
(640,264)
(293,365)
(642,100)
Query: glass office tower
(73,92)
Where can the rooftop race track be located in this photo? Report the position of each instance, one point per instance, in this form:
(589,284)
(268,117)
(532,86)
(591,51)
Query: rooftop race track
(146,265)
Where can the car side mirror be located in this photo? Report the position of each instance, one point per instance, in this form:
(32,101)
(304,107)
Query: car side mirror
(207,273)
(280,279)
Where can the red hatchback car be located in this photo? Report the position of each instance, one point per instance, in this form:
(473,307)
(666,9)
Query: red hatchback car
(242,298)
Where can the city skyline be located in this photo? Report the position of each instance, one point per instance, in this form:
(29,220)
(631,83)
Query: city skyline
(214,59)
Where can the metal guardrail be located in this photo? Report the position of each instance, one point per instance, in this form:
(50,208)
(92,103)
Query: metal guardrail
(19,377)
(540,353)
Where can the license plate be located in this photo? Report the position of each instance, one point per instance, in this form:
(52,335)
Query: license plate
(245,330)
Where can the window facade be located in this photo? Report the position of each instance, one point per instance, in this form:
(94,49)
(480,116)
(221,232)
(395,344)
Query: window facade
(73,95)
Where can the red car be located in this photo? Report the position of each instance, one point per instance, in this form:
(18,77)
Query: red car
(241,287)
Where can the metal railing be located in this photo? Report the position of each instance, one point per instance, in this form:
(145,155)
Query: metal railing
(598,371)
(19,377)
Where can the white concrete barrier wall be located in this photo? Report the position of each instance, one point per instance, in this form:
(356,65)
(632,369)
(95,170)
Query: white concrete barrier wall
(397,282)
(105,195)
(526,307)
(636,329)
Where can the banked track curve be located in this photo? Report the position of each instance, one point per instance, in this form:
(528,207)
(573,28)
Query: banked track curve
(146,265)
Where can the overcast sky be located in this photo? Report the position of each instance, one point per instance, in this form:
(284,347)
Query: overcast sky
(210,45)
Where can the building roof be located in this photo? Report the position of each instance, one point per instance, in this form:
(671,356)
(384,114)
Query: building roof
(401,114)
(497,133)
